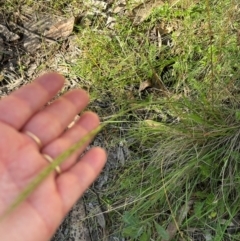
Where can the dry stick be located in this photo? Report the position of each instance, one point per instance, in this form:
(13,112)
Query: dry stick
(46,171)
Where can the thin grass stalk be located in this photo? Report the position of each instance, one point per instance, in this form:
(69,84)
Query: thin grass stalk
(29,189)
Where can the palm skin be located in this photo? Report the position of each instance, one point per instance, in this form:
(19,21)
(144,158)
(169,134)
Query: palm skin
(21,158)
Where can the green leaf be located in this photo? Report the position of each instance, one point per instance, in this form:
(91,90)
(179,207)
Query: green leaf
(235,155)
(205,170)
(144,237)
(210,199)
(196,118)
(198,208)
(132,231)
(237,115)
(161,231)
(129,219)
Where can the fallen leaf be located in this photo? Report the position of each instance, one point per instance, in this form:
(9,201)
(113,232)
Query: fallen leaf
(152,123)
(118,9)
(61,29)
(45,26)
(96,210)
(143,11)
(77,228)
(145,84)
(173,227)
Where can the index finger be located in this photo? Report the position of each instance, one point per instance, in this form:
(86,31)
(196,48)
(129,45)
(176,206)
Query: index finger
(19,106)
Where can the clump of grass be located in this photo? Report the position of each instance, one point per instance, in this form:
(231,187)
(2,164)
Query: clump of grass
(114,61)
(195,156)
(64,7)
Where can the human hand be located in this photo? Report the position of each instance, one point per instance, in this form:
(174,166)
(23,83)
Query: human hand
(27,131)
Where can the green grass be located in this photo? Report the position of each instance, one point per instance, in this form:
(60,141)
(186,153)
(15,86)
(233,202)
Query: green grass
(192,154)
(40,6)
(184,141)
